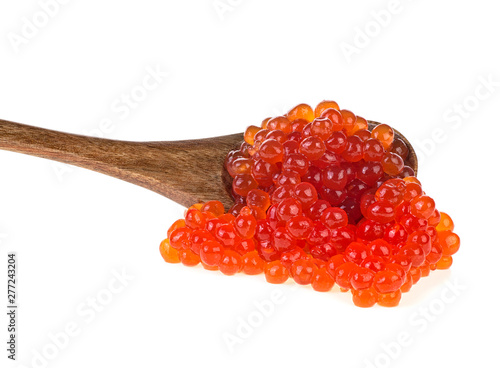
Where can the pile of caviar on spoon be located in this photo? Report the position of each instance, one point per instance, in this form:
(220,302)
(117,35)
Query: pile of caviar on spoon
(320,199)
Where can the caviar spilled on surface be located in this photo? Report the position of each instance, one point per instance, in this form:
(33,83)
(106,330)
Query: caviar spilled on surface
(322,200)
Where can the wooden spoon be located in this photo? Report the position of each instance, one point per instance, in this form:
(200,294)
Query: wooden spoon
(187,172)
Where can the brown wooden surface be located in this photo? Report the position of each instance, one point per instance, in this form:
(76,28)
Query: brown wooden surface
(187,172)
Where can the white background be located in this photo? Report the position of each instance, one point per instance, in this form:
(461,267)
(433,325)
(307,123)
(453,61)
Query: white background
(229,69)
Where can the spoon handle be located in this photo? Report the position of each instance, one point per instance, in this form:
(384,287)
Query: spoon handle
(184,171)
(63,147)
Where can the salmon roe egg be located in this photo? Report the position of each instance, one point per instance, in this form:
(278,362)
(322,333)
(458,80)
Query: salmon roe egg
(257,198)
(252,264)
(195,219)
(271,151)
(354,149)
(349,119)
(168,253)
(280,123)
(445,223)
(444,263)
(337,142)
(306,194)
(188,257)
(180,238)
(211,253)
(323,105)
(275,272)
(343,274)
(312,148)
(364,298)
(321,128)
(296,162)
(359,125)
(422,206)
(449,241)
(385,134)
(230,262)
(387,281)
(373,150)
(243,183)
(301,111)
(302,271)
(400,148)
(392,164)
(389,299)
(362,278)
(214,207)
(250,134)
(322,280)
(245,226)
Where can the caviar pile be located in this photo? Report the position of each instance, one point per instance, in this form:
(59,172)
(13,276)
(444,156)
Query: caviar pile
(320,199)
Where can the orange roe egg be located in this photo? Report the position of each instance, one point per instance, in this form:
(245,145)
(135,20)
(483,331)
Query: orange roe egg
(230,263)
(359,124)
(302,271)
(257,198)
(264,123)
(245,226)
(415,274)
(195,219)
(445,223)
(387,282)
(168,253)
(444,263)
(412,179)
(407,284)
(322,280)
(335,118)
(385,134)
(349,119)
(243,183)
(211,253)
(449,241)
(214,207)
(252,263)
(312,147)
(180,238)
(250,134)
(271,151)
(392,164)
(301,111)
(364,298)
(390,299)
(323,105)
(422,206)
(435,218)
(425,269)
(322,128)
(188,257)
(176,225)
(280,123)
(196,206)
(275,272)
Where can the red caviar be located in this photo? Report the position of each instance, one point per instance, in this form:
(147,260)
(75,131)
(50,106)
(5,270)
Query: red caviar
(322,197)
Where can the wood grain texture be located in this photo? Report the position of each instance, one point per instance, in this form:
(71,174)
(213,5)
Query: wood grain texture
(187,172)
